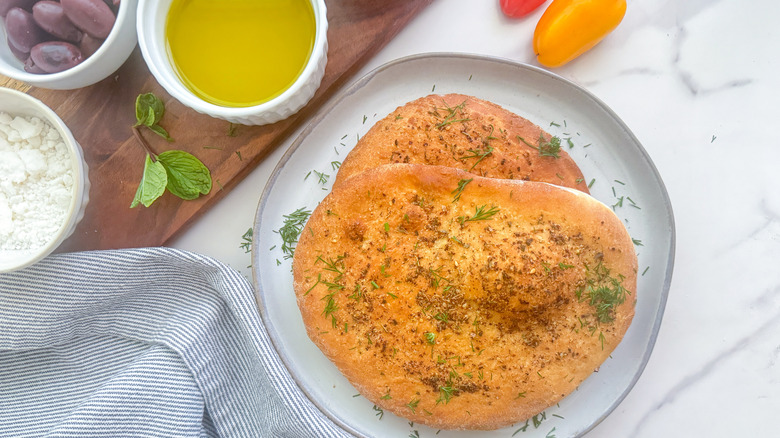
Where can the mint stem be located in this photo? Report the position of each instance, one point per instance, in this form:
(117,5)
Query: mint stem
(144,143)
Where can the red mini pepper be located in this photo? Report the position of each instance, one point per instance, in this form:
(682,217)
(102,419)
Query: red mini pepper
(520,8)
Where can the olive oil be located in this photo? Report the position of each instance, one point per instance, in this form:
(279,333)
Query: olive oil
(240,53)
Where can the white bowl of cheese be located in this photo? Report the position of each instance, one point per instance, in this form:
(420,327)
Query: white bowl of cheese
(44,184)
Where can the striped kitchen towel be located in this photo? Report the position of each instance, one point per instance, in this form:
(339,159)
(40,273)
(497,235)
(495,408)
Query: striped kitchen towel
(151,342)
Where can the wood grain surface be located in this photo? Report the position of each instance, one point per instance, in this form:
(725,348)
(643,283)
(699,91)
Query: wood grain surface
(101,115)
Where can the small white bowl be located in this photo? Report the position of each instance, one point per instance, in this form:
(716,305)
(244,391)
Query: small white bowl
(106,60)
(16,103)
(152,17)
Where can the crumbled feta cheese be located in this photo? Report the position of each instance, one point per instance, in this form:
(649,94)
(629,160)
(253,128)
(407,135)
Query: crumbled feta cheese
(36,182)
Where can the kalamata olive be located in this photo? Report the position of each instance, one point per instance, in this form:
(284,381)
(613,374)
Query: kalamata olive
(55,56)
(113,4)
(23,33)
(7,5)
(21,56)
(89,45)
(91,16)
(51,18)
(30,67)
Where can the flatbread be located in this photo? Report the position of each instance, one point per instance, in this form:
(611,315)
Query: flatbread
(463,302)
(466,133)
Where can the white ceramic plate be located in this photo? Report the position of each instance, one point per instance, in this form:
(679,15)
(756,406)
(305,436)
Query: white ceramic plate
(604,148)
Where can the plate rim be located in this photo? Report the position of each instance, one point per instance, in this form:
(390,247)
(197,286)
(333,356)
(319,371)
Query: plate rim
(341,95)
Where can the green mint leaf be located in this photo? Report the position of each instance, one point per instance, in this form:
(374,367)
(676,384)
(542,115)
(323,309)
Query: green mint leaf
(157,129)
(150,118)
(149,109)
(152,184)
(188,177)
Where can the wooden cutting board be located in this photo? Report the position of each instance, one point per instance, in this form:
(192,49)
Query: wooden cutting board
(100,117)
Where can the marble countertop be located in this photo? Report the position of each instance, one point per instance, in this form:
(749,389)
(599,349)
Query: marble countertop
(696,81)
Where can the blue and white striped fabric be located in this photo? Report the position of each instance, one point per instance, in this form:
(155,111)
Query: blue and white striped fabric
(142,343)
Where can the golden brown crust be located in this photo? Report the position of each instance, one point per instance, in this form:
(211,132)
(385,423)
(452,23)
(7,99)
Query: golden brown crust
(466,133)
(456,322)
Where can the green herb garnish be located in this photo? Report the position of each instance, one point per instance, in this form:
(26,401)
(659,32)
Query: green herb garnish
(247,241)
(546,148)
(452,113)
(522,429)
(603,292)
(291,230)
(152,184)
(232,129)
(149,109)
(480,214)
(441,316)
(445,394)
(180,172)
(461,186)
(479,154)
(379,412)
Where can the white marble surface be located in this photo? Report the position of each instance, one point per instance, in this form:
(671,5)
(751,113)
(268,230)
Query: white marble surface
(698,82)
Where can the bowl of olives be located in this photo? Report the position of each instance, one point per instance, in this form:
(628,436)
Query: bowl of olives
(65,44)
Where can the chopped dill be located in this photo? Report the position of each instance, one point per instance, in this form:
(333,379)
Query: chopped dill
(291,230)
(379,412)
(538,419)
(452,113)
(461,186)
(445,394)
(480,214)
(441,316)
(522,429)
(479,154)
(246,245)
(546,148)
(603,292)
(322,177)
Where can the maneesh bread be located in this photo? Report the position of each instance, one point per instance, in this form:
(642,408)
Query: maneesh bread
(463,302)
(466,133)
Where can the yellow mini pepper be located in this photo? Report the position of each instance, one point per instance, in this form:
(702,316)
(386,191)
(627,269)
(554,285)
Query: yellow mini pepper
(569,28)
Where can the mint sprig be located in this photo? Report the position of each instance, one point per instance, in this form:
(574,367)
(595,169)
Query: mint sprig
(180,172)
(149,110)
